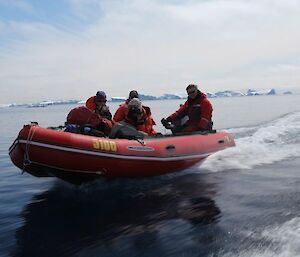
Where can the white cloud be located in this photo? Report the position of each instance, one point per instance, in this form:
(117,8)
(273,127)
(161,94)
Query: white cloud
(155,46)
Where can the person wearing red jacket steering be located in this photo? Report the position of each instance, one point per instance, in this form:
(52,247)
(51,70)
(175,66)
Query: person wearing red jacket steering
(197,108)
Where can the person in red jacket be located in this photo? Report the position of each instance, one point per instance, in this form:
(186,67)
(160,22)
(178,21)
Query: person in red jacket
(95,115)
(122,111)
(97,104)
(197,108)
(138,118)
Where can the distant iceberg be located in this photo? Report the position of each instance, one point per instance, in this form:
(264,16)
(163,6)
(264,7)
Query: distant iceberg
(40,104)
(272,92)
(50,102)
(252,92)
(211,95)
(166,96)
(170,97)
(118,99)
(5,105)
(147,97)
(228,93)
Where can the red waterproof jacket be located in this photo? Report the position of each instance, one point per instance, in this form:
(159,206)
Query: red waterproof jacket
(121,112)
(145,122)
(84,116)
(199,112)
(90,103)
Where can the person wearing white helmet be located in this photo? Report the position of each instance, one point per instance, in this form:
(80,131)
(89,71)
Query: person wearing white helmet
(138,118)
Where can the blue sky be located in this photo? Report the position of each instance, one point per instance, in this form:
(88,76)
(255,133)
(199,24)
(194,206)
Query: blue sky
(72,48)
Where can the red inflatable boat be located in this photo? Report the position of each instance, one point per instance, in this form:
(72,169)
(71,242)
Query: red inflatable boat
(77,158)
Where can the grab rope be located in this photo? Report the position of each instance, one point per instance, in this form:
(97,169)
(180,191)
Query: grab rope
(141,141)
(26,160)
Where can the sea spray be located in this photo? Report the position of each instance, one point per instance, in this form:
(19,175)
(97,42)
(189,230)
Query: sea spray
(265,144)
(280,240)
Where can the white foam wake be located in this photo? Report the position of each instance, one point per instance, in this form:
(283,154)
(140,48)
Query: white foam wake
(283,241)
(272,142)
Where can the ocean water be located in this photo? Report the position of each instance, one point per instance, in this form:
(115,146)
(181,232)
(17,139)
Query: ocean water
(243,201)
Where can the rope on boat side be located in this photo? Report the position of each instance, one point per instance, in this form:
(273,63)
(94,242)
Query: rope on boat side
(26,160)
(141,141)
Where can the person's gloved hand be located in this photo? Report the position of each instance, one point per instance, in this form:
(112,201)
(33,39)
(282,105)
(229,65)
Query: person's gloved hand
(168,119)
(165,123)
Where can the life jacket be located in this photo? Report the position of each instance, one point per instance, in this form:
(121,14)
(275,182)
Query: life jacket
(144,122)
(121,112)
(199,112)
(90,103)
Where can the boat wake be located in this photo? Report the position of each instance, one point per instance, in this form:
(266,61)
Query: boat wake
(280,241)
(264,144)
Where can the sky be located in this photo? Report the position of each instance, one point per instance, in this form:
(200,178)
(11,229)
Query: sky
(69,49)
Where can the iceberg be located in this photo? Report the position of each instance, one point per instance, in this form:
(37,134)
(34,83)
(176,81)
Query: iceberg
(169,97)
(166,96)
(252,92)
(228,93)
(118,99)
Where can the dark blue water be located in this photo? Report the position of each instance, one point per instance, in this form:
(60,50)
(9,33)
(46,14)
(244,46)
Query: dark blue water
(244,201)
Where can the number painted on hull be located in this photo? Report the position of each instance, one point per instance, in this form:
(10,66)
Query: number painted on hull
(228,139)
(105,145)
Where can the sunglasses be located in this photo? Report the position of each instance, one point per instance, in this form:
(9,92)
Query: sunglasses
(101,101)
(191,92)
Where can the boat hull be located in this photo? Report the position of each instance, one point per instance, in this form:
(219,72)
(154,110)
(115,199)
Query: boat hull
(46,152)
